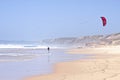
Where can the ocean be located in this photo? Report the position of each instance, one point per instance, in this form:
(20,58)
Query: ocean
(21,60)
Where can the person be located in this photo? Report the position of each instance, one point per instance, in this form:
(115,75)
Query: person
(48,49)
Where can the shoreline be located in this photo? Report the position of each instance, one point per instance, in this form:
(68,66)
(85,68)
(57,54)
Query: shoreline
(103,65)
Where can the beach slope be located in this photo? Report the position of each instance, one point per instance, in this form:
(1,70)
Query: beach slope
(104,64)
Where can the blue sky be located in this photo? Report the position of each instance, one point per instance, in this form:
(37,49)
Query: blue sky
(34,20)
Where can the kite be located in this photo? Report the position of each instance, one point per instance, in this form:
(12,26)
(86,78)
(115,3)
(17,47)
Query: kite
(104,21)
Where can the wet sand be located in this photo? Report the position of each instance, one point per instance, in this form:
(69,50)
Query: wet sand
(103,65)
(18,63)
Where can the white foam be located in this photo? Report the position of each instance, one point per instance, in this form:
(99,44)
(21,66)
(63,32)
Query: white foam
(24,46)
(11,46)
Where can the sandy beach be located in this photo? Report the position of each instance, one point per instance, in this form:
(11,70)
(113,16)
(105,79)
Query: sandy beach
(104,64)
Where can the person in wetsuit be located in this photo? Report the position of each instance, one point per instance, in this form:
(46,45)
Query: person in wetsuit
(48,49)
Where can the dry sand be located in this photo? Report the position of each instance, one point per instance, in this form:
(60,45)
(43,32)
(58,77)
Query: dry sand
(104,65)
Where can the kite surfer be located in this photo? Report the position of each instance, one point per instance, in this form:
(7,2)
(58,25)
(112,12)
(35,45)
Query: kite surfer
(48,49)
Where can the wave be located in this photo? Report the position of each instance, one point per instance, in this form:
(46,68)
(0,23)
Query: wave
(25,46)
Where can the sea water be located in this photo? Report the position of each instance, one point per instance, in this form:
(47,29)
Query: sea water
(19,62)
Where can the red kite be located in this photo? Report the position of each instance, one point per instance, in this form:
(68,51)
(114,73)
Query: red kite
(104,21)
